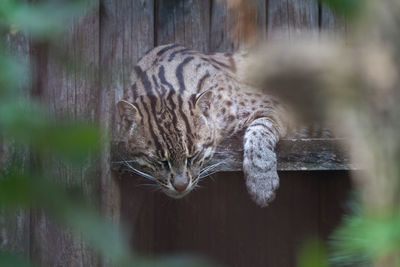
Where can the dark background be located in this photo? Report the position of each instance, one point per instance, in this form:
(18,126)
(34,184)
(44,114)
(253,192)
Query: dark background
(220,220)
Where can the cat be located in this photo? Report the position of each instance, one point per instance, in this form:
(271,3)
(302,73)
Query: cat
(182,104)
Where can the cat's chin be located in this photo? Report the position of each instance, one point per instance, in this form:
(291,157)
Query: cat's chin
(176,195)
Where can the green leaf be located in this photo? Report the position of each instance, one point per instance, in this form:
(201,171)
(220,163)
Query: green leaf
(27,123)
(8,259)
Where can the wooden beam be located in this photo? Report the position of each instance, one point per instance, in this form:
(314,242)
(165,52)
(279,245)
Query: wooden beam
(293,155)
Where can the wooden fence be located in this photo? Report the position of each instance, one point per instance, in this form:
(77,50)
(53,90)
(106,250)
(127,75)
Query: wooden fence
(219,221)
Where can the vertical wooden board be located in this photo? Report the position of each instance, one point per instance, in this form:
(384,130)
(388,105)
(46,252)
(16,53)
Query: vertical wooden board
(14,226)
(332,24)
(186,22)
(68,80)
(223,21)
(291,19)
(126,33)
(14,231)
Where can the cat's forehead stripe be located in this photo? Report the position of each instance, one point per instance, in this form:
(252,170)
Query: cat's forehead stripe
(151,129)
(179,73)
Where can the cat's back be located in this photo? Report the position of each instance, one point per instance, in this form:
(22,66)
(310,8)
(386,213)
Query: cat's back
(176,68)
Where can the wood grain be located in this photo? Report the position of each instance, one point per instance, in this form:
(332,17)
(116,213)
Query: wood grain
(67,84)
(334,26)
(292,154)
(292,19)
(185,22)
(223,21)
(126,33)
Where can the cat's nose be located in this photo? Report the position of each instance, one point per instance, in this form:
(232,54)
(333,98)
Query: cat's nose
(180,186)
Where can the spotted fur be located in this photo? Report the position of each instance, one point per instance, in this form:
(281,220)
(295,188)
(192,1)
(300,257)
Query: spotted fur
(182,104)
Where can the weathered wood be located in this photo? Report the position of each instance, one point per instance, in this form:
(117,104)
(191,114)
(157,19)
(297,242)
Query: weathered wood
(123,41)
(292,154)
(291,19)
(14,225)
(186,22)
(67,75)
(126,33)
(223,21)
(332,25)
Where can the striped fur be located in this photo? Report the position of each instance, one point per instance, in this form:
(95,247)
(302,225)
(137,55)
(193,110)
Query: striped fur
(182,104)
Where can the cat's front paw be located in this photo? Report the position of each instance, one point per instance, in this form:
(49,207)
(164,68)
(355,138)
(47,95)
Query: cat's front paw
(261,177)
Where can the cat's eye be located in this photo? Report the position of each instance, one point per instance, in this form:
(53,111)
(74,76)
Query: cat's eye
(189,160)
(165,164)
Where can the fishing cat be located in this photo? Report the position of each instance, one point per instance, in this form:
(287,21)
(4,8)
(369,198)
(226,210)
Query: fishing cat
(182,104)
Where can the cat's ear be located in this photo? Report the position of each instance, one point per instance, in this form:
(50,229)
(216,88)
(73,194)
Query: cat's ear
(127,111)
(203,100)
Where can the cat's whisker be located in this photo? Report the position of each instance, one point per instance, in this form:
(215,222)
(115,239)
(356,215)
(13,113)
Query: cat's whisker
(197,186)
(208,170)
(122,161)
(136,171)
(149,185)
(207,175)
(156,189)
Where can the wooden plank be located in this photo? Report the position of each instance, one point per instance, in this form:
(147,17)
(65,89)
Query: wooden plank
(332,25)
(293,155)
(185,22)
(223,21)
(126,33)
(14,226)
(66,82)
(292,19)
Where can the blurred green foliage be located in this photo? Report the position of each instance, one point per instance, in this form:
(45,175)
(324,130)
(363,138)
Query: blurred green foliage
(312,254)
(10,259)
(42,19)
(59,137)
(25,124)
(347,8)
(362,239)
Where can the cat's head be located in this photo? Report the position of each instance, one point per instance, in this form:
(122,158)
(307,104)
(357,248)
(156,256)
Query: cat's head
(169,139)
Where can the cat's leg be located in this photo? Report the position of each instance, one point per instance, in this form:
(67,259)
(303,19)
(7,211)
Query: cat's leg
(259,160)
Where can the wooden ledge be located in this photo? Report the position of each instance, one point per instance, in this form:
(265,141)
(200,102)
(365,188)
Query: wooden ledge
(293,155)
